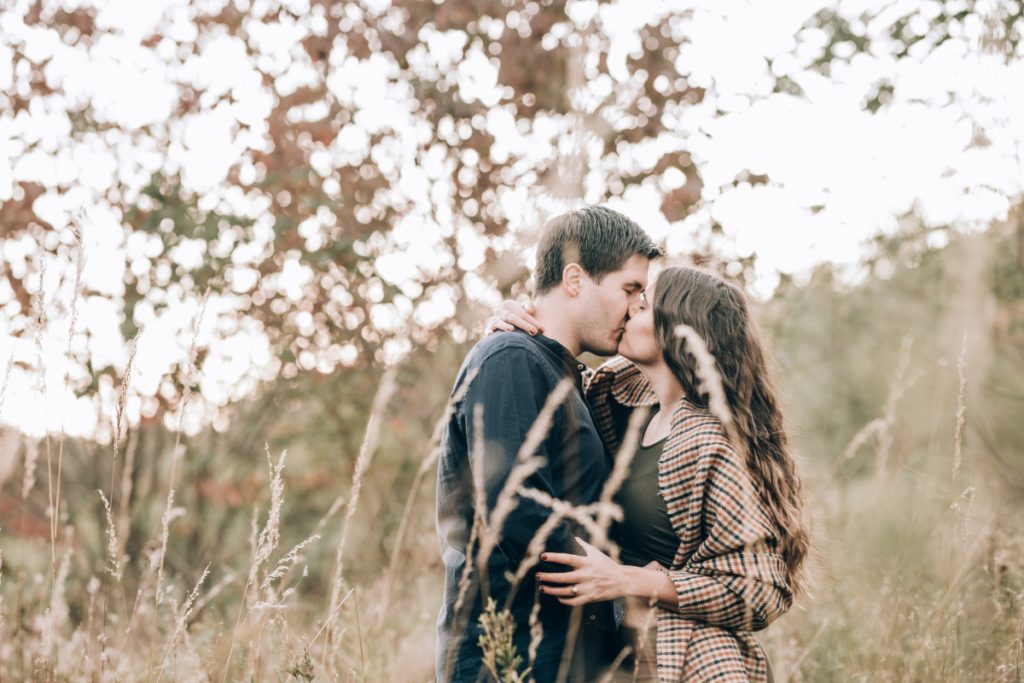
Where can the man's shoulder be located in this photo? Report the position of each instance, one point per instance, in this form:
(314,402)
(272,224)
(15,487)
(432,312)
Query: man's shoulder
(503,343)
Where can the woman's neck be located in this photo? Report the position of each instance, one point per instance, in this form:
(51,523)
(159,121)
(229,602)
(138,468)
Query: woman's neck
(665,385)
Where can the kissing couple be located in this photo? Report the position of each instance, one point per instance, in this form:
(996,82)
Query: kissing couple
(637,522)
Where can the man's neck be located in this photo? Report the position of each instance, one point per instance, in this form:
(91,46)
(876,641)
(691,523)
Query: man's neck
(553,318)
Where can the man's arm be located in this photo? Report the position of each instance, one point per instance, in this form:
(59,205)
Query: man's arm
(511,387)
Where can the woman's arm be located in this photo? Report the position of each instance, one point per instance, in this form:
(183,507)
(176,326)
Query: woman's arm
(734,579)
(510,315)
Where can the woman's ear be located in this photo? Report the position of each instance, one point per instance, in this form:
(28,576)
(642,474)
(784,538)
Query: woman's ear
(572,278)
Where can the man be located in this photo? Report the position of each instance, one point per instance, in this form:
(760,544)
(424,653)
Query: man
(591,267)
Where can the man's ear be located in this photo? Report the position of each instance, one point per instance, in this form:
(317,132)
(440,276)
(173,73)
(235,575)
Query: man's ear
(572,278)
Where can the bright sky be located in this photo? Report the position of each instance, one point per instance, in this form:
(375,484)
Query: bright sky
(839,174)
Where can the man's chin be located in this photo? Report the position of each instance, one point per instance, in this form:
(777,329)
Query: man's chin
(610,349)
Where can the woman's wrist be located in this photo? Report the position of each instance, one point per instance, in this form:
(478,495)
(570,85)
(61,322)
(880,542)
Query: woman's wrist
(634,581)
(648,585)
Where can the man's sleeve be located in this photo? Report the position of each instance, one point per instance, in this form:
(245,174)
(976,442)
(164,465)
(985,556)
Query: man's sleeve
(512,388)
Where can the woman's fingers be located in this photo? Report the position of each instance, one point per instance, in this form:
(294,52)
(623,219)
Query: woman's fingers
(575,561)
(560,591)
(521,322)
(496,325)
(520,314)
(573,602)
(560,577)
(529,315)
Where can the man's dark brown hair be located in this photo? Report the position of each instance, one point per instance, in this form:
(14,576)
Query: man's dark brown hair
(597,238)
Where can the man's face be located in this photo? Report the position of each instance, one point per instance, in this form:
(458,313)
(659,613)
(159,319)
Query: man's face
(603,307)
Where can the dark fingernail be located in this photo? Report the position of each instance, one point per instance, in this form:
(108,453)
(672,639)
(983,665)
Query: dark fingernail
(544,558)
(533,332)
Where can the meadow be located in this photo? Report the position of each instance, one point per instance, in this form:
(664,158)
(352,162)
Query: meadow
(298,544)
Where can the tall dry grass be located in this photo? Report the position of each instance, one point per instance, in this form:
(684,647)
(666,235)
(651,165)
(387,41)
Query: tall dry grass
(924,578)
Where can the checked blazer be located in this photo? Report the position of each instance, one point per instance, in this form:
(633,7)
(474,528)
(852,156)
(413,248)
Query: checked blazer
(729,579)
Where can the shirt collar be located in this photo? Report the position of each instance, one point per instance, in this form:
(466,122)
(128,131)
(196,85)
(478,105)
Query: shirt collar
(573,368)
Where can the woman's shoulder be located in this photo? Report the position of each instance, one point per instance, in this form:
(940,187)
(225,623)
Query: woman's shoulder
(619,379)
(695,427)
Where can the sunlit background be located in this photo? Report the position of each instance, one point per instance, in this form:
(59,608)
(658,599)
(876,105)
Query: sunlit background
(230,152)
(222,221)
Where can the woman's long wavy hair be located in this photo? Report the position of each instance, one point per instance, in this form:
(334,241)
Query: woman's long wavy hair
(719,312)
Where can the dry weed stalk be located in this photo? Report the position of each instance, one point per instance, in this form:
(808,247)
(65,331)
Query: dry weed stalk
(486,530)
(536,634)
(7,379)
(178,449)
(285,564)
(270,535)
(28,482)
(960,505)
(76,293)
(881,428)
(125,493)
(2,610)
(961,408)
(56,615)
(476,531)
(113,559)
(433,453)
(181,623)
(526,464)
(479,525)
(385,390)
(264,543)
(609,676)
(38,324)
(620,471)
(711,384)
(584,515)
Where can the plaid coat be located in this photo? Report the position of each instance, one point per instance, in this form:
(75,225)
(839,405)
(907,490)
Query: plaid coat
(729,580)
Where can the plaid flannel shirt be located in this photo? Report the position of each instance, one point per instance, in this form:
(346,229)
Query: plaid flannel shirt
(729,580)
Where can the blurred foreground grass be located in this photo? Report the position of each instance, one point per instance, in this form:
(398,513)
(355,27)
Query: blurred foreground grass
(904,397)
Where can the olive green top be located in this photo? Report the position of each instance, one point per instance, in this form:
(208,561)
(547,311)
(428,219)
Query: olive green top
(645,532)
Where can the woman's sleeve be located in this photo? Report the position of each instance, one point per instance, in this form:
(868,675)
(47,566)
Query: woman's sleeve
(734,579)
(597,388)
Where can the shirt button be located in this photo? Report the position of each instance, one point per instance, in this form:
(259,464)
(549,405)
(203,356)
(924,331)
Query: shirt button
(593,617)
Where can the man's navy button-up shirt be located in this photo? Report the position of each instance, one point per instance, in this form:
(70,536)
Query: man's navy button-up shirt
(514,374)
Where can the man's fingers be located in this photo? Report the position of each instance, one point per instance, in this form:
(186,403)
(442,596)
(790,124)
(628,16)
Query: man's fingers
(559,577)
(575,561)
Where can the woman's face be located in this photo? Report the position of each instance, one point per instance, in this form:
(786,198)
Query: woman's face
(638,342)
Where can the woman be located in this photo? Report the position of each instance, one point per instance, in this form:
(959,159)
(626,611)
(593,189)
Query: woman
(712,498)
